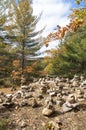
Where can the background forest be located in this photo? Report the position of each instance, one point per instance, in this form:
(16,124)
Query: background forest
(19,43)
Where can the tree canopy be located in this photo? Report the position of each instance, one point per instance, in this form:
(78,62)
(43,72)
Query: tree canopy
(20,41)
(21,29)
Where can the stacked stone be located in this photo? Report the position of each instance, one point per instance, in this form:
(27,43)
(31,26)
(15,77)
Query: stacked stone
(60,92)
(49,107)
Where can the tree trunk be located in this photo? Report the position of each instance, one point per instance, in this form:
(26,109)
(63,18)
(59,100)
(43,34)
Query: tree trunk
(23,58)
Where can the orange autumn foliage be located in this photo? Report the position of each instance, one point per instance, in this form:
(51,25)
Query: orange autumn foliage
(60,33)
(34,64)
(15,74)
(16,63)
(29,69)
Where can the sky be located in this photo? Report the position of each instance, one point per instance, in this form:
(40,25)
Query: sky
(54,12)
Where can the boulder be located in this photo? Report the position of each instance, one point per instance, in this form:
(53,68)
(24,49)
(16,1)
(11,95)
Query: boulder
(69,104)
(49,109)
(47,112)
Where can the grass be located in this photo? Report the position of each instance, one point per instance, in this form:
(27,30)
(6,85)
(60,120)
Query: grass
(3,124)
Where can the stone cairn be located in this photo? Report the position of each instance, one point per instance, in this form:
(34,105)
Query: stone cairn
(51,93)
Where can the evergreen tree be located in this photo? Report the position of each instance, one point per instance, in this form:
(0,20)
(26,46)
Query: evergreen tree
(71,55)
(21,29)
(2,44)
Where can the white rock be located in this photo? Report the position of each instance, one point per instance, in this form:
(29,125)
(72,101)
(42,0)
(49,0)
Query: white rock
(47,111)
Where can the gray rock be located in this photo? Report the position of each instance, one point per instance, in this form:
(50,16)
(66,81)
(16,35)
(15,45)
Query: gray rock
(47,112)
(8,104)
(49,109)
(23,103)
(1,100)
(67,106)
(22,124)
(24,87)
(28,95)
(60,99)
(18,94)
(71,98)
(39,95)
(34,103)
(53,93)
(49,100)
(43,89)
(80,95)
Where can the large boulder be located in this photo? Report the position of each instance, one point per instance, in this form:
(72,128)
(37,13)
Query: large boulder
(69,104)
(48,110)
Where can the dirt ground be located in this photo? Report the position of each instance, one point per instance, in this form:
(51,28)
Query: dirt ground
(34,120)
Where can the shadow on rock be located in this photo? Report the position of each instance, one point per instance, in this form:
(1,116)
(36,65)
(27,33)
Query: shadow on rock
(56,113)
(82,107)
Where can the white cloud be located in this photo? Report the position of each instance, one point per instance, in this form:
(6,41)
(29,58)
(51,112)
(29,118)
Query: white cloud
(55,12)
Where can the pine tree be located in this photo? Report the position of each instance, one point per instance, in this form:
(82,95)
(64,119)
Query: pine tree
(21,29)
(71,55)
